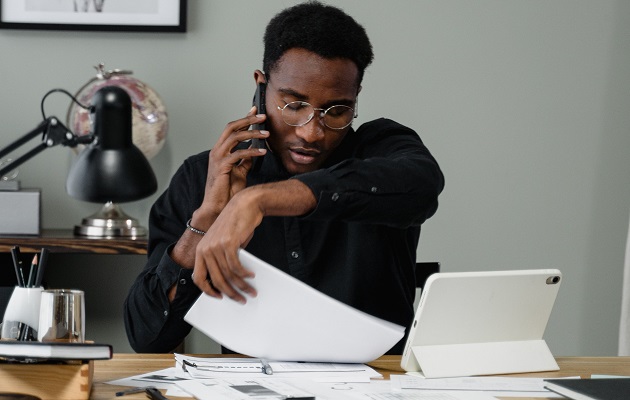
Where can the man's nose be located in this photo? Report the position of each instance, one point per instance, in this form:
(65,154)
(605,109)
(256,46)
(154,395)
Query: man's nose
(313,130)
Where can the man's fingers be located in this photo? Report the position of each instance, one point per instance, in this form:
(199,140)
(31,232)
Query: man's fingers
(202,281)
(243,124)
(246,135)
(222,285)
(239,273)
(239,125)
(216,281)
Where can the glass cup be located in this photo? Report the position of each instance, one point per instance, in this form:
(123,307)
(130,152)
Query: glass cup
(21,317)
(62,316)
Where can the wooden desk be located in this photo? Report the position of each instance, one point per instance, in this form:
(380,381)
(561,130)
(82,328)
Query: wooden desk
(64,241)
(125,365)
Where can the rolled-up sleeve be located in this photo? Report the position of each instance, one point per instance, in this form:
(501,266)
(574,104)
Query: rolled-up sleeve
(391,178)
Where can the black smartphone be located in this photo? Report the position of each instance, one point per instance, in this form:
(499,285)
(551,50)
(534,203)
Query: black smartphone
(259,102)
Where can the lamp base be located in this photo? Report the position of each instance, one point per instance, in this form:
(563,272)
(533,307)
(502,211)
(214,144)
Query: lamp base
(110,221)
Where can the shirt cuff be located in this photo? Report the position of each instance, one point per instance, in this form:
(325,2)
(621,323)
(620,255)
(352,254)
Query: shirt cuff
(169,272)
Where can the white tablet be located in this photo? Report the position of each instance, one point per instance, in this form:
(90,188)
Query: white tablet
(482,318)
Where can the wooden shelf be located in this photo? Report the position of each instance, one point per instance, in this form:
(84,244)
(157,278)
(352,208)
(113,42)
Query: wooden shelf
(65,241)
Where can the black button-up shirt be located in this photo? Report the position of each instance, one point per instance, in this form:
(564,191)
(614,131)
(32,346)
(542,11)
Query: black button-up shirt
(358,245)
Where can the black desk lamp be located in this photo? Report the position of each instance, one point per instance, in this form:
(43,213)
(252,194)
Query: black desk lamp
(111,169)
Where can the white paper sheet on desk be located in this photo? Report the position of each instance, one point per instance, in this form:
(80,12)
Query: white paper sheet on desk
(291,321)
(275,389)
(496,386)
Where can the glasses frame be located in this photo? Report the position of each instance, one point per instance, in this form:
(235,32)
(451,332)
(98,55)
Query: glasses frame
(322,113)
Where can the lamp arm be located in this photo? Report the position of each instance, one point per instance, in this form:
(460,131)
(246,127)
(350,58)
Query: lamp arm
(53,134)
(19,142)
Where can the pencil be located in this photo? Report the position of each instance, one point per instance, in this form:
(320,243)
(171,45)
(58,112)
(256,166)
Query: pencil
(32,272)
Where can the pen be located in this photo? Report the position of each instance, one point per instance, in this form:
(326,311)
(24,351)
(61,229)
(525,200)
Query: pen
(266,368)
(43,257)
(133,390)
(15,253)
(155,394)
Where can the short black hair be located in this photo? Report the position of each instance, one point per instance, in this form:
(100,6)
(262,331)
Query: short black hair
(325,30)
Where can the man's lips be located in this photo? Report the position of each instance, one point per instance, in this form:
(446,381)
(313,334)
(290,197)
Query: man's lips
(301,155)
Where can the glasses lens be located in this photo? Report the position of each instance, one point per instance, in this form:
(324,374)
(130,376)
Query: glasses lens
(297,113)
(338,117)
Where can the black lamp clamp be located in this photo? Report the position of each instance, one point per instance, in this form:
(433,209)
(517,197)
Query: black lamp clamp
(53,133)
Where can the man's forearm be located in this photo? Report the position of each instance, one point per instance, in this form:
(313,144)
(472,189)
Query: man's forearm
(183,252)
(282,199)
(216,255)
(288,198)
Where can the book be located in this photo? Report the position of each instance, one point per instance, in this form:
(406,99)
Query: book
(591,389)
(48,381)
(20,350)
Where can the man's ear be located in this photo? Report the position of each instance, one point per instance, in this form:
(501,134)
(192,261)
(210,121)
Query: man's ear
(260,77)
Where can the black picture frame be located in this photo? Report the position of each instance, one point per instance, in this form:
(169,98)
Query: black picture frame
(169,16)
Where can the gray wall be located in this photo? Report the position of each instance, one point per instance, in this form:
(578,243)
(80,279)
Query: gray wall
(524,103)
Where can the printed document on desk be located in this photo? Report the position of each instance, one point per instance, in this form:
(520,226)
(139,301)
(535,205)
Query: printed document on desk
(291,321)
(276,389)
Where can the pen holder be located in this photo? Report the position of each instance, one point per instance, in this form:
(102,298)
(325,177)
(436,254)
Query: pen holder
(62,316)
(21,318)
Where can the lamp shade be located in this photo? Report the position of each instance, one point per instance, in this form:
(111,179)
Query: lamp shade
(111,168)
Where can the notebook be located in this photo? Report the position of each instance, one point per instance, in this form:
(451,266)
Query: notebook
(591,389)
(480,323)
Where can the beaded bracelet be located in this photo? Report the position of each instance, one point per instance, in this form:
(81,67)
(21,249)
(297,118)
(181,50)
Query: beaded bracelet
(190,228)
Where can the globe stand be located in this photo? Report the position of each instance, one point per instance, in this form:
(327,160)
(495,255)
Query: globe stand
(110,221)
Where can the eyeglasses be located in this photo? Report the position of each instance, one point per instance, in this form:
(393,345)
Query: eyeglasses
(300,113)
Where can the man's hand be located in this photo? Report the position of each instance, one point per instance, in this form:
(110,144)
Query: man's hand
(228,168)
(217,267)
(227,175)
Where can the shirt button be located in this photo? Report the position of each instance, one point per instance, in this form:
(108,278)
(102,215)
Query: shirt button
(335,196)
(374,189)
(166,313)
(182,281)
(295,254)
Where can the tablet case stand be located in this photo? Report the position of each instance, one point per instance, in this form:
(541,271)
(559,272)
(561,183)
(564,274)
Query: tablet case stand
(482,323)
(451,360)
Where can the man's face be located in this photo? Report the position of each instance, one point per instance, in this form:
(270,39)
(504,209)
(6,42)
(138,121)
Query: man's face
(305,76)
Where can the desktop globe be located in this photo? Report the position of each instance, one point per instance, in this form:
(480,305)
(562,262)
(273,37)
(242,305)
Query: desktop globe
(149,117)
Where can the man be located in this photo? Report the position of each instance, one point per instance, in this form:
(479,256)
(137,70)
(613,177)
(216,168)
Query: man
(336,208)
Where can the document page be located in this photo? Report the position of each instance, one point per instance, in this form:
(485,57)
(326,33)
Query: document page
(291,321)
(273,389)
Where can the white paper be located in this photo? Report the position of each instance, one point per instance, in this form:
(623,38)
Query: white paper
(162,379)
(241,389)
(495,386)
(291,321)
(381,390)
(274,389)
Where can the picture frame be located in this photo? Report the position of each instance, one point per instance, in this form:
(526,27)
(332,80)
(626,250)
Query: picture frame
(95,15)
